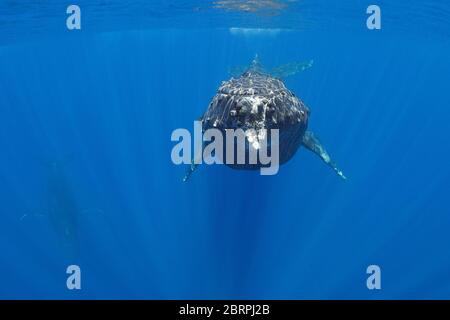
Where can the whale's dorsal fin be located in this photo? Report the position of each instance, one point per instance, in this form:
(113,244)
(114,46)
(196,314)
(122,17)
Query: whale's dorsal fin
(256,64)
(254,67)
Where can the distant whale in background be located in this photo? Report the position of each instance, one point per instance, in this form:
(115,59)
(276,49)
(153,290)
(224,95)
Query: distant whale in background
(259,100)
(62,206)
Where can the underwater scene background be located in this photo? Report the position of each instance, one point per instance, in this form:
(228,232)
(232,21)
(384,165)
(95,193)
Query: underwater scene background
(86,176)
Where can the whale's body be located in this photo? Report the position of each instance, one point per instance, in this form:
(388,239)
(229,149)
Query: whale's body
(257,102)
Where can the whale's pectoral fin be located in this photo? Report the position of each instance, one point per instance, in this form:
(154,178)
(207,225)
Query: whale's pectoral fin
(290,69)
(190,170)
(194,162)
(312,143)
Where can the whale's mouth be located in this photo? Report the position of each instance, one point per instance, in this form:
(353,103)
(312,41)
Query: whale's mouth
(257,138)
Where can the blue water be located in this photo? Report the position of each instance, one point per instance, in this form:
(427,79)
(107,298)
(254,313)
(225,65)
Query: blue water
(103,101)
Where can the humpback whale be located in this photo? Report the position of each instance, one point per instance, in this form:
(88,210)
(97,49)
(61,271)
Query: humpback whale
(259,101)
(61,206)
